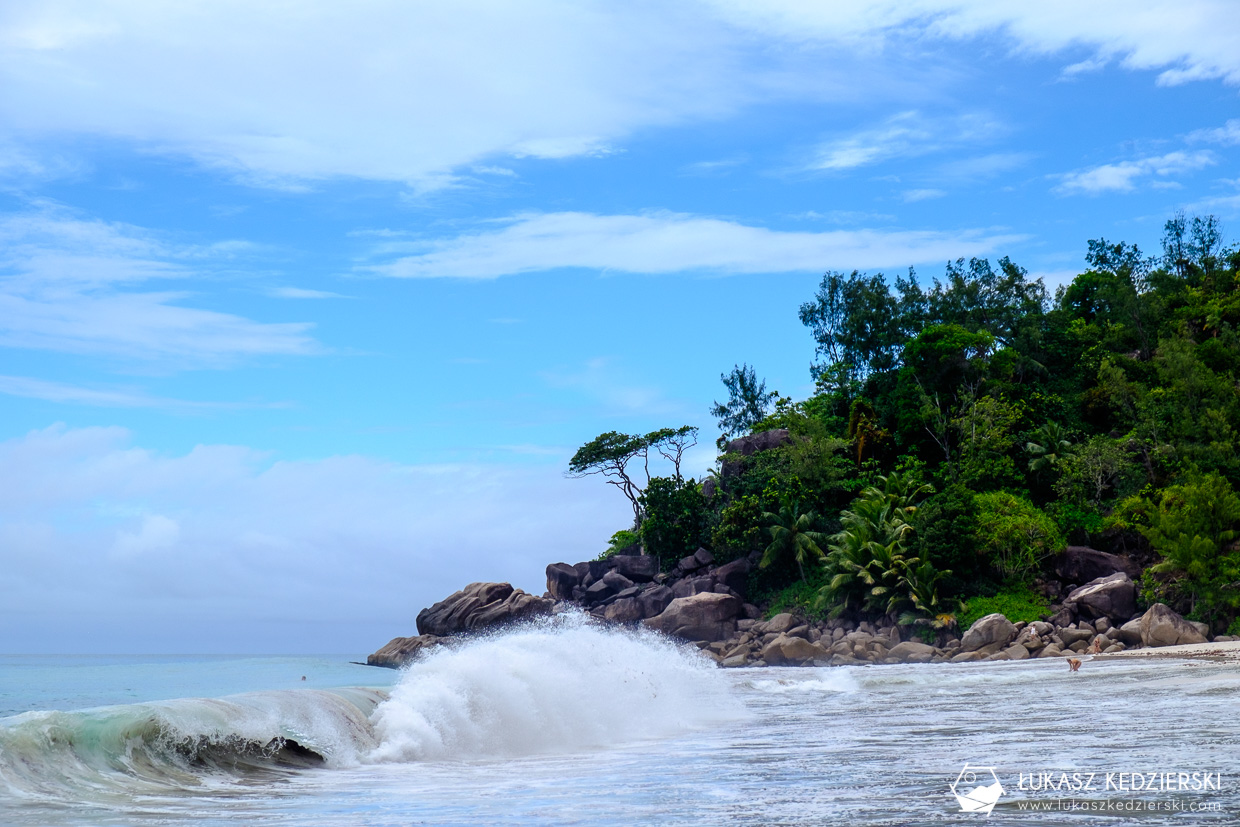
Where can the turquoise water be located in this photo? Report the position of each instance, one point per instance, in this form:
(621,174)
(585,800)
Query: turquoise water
(568,724)
(66,682)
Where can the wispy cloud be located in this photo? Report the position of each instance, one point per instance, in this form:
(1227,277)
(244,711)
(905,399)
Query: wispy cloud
(1220,203)
(1185,41)
(302,293)
(849,217)
(1124,176)
(912,196)
(906,135)
(1093,64)
(983,166)
(282,97)
(720,166)
(1228,134)
(278,96)
(603,381)
(31,388)
(673,243)
(67,284)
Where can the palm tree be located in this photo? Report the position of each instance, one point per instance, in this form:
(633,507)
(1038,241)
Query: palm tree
(868,555)
(792,532)
(1049,446)
(920,584)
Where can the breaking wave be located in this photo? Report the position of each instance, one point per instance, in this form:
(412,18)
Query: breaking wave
(563,685)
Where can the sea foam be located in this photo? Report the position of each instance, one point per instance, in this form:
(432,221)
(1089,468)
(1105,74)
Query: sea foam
(562,685)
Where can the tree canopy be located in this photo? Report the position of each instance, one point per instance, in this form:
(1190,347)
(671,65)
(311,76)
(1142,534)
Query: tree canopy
(1107,414)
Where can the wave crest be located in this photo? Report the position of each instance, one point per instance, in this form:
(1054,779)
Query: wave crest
(561,685)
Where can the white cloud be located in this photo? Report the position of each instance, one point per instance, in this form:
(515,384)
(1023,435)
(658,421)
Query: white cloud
(711,168)
(60,392)
(1228,134)
(1218,203)
(383,90)
(983,166)
(1187,40)
(844,216)
(671,243)
(912,196)
(1055,278)
(906,135)
(1093,64)
(156,533)
(288,94)
(302,293)
(208,549)
(1125,175)
(66,285)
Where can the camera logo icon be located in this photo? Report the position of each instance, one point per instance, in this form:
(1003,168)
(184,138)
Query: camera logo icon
(977,789)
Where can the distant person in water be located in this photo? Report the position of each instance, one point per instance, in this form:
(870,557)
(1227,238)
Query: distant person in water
(303,677)
(1074,664)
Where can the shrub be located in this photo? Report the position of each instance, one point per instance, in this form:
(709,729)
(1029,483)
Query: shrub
(620,540)
(1193,529)
(946,531)
(800,597)
(1014,604)
(1015,534)
(676,519)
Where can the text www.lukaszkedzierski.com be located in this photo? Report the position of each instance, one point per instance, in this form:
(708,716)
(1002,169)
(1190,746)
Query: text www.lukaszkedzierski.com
(1124,806)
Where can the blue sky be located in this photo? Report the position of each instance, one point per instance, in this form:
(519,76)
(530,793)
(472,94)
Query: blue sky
(304,308)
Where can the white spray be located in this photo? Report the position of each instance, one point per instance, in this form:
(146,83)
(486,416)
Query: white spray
(559,686)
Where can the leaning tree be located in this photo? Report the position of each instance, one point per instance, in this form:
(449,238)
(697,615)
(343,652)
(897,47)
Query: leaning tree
(624,459)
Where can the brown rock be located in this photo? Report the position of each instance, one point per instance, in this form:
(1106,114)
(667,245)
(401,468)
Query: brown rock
(993,630)
(478,606)
(637,568)
(910,649)
(707,616)
(1160,626)
(1079,564)
(401,650)
(781,623)
(561,578)
(749,445)
(1113,597)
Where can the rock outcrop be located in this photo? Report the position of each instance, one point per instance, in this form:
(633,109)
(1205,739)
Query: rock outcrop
(988,634)
(1113,597)
(401,650)
(480,606)
(747,446)
(702,602)
(561,580)
(794,651)
(707,616)
(1080,564)
(1161,626)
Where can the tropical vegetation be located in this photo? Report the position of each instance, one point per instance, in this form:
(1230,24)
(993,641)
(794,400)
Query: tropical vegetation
(965,429)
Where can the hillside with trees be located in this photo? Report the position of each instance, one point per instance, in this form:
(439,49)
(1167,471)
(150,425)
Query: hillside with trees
(965,431)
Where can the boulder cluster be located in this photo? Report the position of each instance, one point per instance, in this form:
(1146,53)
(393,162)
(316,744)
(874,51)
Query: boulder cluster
(705,604)
(476,607)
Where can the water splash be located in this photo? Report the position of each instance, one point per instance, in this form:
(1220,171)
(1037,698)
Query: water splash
(563,685)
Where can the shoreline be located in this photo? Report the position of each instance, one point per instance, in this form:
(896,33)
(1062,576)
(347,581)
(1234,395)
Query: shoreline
(1226,650)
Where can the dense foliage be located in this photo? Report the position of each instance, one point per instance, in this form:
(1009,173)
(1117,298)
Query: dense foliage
(965,431)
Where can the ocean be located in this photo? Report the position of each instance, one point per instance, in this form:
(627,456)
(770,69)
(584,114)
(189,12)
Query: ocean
(568,723)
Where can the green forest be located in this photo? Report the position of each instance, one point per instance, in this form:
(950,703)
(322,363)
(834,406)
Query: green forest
(965,431)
